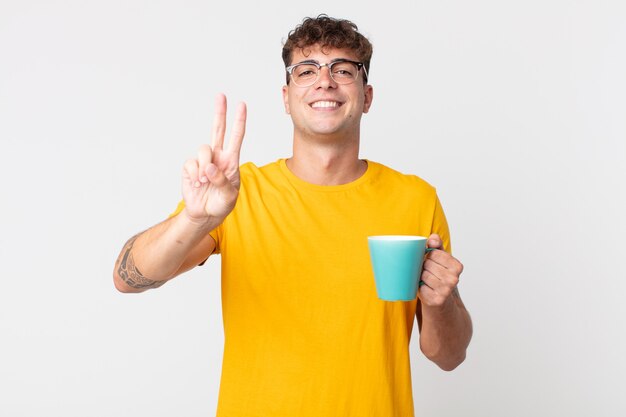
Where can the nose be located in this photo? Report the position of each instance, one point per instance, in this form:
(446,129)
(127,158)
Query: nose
(324,80)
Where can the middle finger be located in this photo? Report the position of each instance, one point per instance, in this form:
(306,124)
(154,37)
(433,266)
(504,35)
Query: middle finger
(219,122)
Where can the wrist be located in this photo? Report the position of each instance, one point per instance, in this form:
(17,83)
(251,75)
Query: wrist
(203,223)
(443,310)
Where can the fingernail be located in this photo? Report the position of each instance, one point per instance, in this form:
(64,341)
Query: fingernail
(204,179)
(196,184)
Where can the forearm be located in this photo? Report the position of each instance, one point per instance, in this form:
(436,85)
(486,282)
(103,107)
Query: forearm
(151,258)
(446,332)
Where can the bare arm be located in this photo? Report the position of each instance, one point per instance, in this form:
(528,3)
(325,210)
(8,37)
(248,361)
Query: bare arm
(444,323)
(210,187)
(445,332)
(151,258)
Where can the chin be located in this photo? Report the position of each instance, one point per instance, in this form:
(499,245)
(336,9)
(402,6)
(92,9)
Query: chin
(327,129)
(325,132)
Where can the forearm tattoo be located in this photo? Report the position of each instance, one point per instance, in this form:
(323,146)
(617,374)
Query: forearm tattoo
(128,271)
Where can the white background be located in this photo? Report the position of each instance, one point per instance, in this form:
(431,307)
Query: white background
(514,110)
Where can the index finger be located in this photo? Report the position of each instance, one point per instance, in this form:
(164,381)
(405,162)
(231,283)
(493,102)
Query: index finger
(239,128)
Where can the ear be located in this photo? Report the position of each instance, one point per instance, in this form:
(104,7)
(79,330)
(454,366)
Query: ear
(369,96)
(286,98)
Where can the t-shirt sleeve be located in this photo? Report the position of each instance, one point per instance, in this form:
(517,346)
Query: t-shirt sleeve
(214,233)
(440,225)
(179,208)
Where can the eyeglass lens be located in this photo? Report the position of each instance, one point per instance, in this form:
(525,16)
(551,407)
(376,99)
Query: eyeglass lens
(341,72)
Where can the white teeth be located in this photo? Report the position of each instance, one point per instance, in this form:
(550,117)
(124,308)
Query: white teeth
(325,104)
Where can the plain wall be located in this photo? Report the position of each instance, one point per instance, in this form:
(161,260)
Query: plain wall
(515,111)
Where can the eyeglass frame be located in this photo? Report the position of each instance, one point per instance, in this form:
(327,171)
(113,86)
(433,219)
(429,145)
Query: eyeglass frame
(329,65)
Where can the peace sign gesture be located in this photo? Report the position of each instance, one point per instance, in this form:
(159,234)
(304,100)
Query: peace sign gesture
(211,182)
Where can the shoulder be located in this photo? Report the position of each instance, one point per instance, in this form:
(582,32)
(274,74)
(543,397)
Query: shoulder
(391,178)
(250,170)
(253,176)
(247,169)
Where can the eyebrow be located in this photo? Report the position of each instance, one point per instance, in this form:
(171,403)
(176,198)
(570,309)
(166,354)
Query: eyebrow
(315,61)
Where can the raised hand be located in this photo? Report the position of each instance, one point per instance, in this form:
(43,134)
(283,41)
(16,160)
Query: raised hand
(211,182)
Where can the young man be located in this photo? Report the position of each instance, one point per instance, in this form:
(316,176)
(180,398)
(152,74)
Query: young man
(305,334)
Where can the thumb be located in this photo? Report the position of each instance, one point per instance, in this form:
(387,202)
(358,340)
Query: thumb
(215,176)
(434,241)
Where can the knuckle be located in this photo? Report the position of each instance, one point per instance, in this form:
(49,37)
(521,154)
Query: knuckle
(455,281)
(191,165)
(459,267)
(451,280)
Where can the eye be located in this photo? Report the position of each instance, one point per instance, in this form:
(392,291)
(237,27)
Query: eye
(344,70)
(305,71)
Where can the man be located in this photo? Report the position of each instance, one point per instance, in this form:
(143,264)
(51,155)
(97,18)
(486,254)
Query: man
(305,334)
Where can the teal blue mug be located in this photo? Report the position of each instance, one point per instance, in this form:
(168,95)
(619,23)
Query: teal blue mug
(397,264)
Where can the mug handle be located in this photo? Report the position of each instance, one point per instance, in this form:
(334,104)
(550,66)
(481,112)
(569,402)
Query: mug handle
(419,284)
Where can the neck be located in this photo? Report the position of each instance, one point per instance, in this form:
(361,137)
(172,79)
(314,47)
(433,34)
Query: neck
(326,162)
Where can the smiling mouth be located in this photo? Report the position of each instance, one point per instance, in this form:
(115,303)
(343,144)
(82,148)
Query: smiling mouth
(325,104)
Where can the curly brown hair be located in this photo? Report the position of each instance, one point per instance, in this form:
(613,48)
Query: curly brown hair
(329,33)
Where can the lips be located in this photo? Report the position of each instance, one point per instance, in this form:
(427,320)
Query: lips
(325,104)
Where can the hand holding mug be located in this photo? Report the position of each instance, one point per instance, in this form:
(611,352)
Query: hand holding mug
(397,263)
(440,276)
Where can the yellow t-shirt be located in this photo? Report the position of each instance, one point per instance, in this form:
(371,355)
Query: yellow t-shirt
(305,334)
